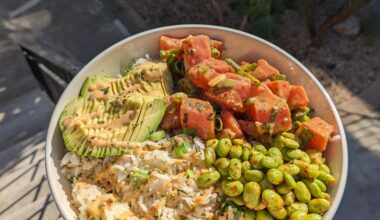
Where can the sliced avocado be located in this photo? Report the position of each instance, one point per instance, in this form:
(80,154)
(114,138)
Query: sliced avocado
(145,78)
(134,136)
(151,121)
(102,128)
(131,129)
(147,70)
(89,82)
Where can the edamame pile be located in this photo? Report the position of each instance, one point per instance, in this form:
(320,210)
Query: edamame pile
(278,181)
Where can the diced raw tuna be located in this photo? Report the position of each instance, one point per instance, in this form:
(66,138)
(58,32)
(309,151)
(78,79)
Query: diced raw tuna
(198,115)
(297,97)
(270,110)
(317,131)
(196,49)
(280,88)
(264,70)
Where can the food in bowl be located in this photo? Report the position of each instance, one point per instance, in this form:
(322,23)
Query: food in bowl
(225,140)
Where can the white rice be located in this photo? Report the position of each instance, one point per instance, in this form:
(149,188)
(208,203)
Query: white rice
(168,193)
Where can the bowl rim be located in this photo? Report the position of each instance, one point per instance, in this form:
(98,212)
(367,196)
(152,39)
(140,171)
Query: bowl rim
(55,115)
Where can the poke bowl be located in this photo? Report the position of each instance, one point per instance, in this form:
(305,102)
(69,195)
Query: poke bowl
(183,97)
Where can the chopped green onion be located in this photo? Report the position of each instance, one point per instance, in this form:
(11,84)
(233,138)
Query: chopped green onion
(158,135)
(305,118)
(218,123)
(232,63)
(253,79)
(138,177)
(296,125)
(278,76)
(179,152)
(249,67)
(172,52)
(200,107)
(179,67)
(227,83)
(187,86)
(301,114)
(215,52)
(72,179)
(238,213)
(189,131)
(250,101)
(203,70)
(306,109)
(171,60)
(178,96)
(181,148)
(305,136)
(162,54)
(237,68)
(127,71)
(189,174)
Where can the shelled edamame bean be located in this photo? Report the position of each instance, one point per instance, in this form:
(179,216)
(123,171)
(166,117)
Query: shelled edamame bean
(278,181)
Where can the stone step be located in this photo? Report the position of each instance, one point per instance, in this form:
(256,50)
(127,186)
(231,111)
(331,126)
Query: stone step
(42,208)
(366,102)
(11,156)
(18,164)
(23,181)
(16,78)
(23,117)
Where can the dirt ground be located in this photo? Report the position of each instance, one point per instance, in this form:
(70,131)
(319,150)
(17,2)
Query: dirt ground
(344,65)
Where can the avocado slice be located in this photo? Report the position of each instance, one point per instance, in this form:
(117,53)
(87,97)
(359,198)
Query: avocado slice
(146,78)
(149,119)
(102,128)
(91,83)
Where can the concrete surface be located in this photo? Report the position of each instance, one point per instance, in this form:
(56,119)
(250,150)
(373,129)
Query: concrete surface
(83,30)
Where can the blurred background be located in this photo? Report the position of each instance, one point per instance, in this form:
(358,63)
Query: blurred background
(43,44)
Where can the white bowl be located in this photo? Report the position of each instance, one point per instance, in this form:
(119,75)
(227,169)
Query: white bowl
(238,45)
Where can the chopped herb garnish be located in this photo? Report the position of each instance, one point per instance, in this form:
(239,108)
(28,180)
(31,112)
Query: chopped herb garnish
(200,107)
(218,123)
(189,174)
(162,54)
(142,74)
(185,118)
(232,63)
(138,177)
(181,148)
(215,52)
(249,67)
(72,179)
(238,213)
(227,83)
(305,136)
(171,60)
(238,70)
(179,67)
(189,131)
(250,101)
(105,90)
(203,69)
(278,76)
